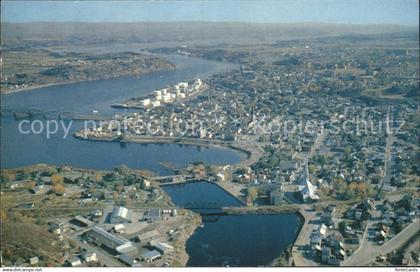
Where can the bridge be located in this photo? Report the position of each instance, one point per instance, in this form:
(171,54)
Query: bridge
(172,179)
(72,116)
(19,114)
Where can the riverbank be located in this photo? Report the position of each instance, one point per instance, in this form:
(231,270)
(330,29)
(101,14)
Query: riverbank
(262,210)
(181,256)
(248,155)
(47,68)
(34,87)
(238,211)
(289,256)
(29,88)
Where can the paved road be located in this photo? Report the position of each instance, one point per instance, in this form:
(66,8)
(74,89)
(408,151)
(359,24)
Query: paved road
(386,182)
(318,143)
(367,253)
(300,249)
(400,238)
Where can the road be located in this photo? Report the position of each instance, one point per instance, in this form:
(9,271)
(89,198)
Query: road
(367,252)
(318,143)
(402,237)
(386,182)
(301,250)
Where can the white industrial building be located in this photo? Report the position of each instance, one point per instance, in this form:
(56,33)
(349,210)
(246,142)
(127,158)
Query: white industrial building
(146,102)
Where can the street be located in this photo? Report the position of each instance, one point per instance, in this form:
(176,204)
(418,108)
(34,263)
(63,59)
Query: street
(367,252)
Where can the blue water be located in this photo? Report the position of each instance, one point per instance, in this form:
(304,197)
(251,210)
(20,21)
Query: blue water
(231,240)
(202,196)
(248,240)
(82,98)
(241,240)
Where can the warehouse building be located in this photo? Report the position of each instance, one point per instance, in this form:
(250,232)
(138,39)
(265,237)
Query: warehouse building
(150,256)
(152,215)
(81,221)
(121,215)
(164,248)
(148,236)
(101,238)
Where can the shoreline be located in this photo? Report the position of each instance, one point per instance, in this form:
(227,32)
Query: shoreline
(273,210)
(210,182)
(247,157)
(195,219)
(31,88)
(263,210)
(180,243)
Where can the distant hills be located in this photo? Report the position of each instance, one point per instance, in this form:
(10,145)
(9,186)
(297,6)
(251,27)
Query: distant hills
(78,33)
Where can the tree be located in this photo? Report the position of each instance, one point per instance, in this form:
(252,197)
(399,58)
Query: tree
(347,150)
(55,179)
(3,216)
(7,176)
(340,185)
(322,160)
(342,226)
(352,186)
(119,187)
(253,193)
(349,194)
(38,220)
(361,189)
(58,188)
(30,184)
(312,168)
(241,171)
(115,196)
(98,177)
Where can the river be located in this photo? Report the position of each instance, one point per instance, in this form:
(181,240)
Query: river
(247,240)
(231,240)
(19,149)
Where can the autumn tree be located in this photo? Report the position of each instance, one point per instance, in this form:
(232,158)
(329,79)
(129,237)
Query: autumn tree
(3,216)
(360,189)
(115,196)
(58,188)
(30,184)
(339,185)
(7,175)
(55,179)
(97,178)
(252,193)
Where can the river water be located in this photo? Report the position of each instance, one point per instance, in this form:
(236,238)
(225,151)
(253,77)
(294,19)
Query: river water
(231,240)
(248,240)
(82,98)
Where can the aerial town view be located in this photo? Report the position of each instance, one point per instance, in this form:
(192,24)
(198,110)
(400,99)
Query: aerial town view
(272,133)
